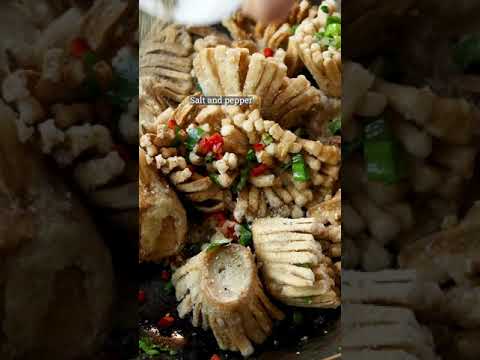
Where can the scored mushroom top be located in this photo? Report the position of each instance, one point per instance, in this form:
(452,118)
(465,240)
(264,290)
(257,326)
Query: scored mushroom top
(229,276)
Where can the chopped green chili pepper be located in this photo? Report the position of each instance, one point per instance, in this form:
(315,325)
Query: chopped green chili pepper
(251,155)
(215,245)
(267,139)
(300,169)
(242,182)
(333,30)
(245,238)
(325,9)
(335,126)
(333,19)
(309,300)
(382,153)
(169,287)
(194,135)
(177,141)
(214,178)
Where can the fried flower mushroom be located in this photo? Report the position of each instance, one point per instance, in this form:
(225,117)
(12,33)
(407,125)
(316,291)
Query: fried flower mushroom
(233,72)
(292,263)
(166,63)
(221,288)
(272,36)
(56,272)
(236,150)
(319,44)
(163,221)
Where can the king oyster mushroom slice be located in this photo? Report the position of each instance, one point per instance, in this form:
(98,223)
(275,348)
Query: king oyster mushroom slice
(293,266)
(221,288)
(163,220)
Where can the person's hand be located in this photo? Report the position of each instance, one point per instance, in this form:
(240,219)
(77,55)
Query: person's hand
(267,10)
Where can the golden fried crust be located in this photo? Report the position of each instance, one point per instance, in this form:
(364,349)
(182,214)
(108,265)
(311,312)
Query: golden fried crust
(329,210)
(163,221)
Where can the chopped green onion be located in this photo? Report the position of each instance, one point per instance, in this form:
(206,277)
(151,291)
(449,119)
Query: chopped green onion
(148,347)
(297,317)
(214,178)
(267,139)
(308,266)
(467,52)
(251,155)
(337,41)
(215,245)
(309,300)
(382,153)
(177,141)
(335,126)
(169,287)
(293,29)
(325,9)
(197,85)
(333,30)
(209,158)
(333,19)
(194,135)
(245,238)
(300,169)
(242,182)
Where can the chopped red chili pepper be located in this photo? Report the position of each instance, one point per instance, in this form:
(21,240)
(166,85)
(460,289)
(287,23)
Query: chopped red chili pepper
(259,170)
(166,321)
(268,52)
(165,275)
(141,296)
(215,357)
(204,146)
(258,147)
(216,139)
(219,217)
(171,123)
(78,47)
(212,143)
